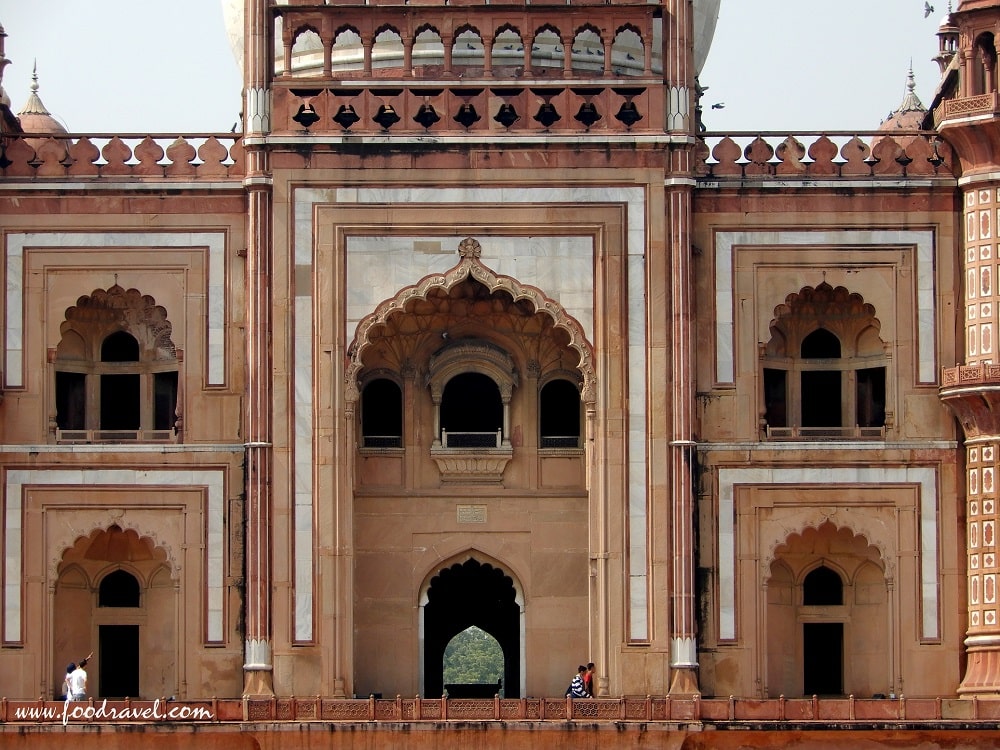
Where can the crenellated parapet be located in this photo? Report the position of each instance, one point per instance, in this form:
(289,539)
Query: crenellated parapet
(190,157)
(845,155)
(824,155)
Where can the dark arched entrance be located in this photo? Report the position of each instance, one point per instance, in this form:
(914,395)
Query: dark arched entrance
(471,593)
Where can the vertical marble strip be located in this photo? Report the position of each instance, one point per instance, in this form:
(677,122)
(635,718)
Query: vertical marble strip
(923,477)
(922,242)
(638,490)
(303,417)
(634,198)
(215,563)
(212,481)
(303,462)
(13,521)
(14,312)
(214,242)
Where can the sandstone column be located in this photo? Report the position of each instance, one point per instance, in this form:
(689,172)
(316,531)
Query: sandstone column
(679,84)
(257,415)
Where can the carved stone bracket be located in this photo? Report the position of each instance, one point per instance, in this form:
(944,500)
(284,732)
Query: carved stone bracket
(479,466)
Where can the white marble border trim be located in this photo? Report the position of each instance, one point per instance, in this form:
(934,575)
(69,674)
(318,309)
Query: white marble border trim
(212,480)
(921,241)
(924,477)
(154,241)
(635,200)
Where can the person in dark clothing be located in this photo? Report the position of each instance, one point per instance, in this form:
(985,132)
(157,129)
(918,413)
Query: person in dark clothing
(576,688)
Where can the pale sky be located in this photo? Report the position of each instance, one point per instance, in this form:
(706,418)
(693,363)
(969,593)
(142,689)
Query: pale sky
(135,66)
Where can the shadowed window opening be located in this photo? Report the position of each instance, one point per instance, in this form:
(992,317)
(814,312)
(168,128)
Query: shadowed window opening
(775,397)
(471,411)
(164,400)
(71,400)
(871,397)
(118,589)
(822,587)
(382,414)
(559,415)
(821,344)
(120,347)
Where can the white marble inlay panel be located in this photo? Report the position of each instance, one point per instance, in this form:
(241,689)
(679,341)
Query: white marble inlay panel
(555,265)
(924,477)
(19,242)
(303,468)
(212,481)
(921,241)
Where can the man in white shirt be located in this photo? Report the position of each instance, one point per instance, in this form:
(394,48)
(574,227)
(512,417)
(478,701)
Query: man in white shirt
(78,681)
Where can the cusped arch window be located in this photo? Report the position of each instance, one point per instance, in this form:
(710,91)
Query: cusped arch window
(824,372)
(115,371)
(471,384)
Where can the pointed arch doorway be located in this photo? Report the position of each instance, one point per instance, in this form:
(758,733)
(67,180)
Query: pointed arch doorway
(471,593)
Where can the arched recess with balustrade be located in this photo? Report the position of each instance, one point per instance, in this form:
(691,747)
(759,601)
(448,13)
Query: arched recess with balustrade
(828,616)
(115,374)
(116,596)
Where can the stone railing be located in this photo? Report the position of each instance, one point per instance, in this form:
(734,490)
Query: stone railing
(968,375)
(824,155)
(722,157)
(157,156)
(968,106)
(841,712)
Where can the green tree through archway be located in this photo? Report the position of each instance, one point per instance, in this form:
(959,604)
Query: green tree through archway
(473,656)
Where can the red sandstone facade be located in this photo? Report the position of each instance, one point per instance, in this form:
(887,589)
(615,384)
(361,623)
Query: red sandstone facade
(472,325)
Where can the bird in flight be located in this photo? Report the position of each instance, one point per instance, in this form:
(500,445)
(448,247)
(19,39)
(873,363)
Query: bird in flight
(928,8)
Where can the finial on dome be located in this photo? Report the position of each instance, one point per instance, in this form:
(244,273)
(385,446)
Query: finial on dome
(34,104)
(34,117)
(911,102)
(910,113)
